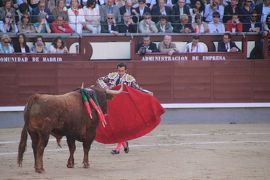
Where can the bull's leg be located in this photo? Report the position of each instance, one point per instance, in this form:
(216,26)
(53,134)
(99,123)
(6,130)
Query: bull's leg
(72,148)
(86,148)
(42,143)
(34,138)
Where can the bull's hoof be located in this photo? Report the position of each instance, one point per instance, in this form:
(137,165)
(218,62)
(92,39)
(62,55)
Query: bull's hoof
(70,165)
(86,165)
(40,170)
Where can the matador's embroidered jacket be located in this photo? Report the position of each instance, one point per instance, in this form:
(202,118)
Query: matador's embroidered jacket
(112,79)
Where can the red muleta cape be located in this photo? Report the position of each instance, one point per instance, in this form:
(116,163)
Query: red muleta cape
(130,115)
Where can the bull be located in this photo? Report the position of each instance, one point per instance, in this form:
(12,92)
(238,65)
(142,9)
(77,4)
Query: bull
(60,115)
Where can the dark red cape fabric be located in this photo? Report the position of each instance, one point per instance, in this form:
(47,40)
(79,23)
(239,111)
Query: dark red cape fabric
(130,115)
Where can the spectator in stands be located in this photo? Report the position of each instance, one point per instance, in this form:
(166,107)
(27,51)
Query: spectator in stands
(161,10)
(199,26)
(184,26)
(247,9)
(164,26)
(146,46)
(195,46)
(92,17)
(197,9)
(61,26)
(42,26)
(227,45)
(110,25)
(266,25)
(33,4)
(127,26)
(147,25)
(127,8)
(25,26)
(7,8)
(110,8)
(20,45)
(167,46)
(119,3)
(179,10)
(60,10)
(252,24)
(58,46)
(263,9)
(76,17)
(22,10)
(234,25)
(5,45)
(39,46)
(213,7)
(8,25)
(142,9)
(216,26)
(230,9)
(41,9)
(150,3)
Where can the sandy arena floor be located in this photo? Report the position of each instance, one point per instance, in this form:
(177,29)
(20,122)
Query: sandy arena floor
(175,151)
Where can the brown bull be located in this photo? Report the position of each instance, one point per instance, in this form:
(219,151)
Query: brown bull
(60,115)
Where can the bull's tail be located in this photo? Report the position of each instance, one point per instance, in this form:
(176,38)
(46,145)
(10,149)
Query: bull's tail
(22,146)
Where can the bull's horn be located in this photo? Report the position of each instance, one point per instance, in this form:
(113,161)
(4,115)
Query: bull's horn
(82,85)
(109,91)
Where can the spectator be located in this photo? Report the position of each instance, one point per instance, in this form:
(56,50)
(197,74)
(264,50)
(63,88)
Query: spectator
(142,9)
(195,46)
(167,46)
(58,46)
(120,3)
(92,17)
(22,10)
(252,24)
(110,25)
(216,26)
(33,4)
(60,10)
(147,25)
(8,25)
(147,46)
(7,9)
(247,10)
(234,25)
(227,45)
(76,17)
(127,26)
(25,26)
(263,9)
(230,9)
(39,46)
(42,25)
(150,3)
(110,8)
(199,26)
(41,9)
(164,26)
(5,45)
(210,9)
(161,10)
(51,4)
(127,8)
(20,46)
(179,10)
(197,9)
(266,25)
(61,26)
(184,26)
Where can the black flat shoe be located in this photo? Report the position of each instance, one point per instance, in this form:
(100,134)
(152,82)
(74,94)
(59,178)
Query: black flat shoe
(115,152)
(126,149)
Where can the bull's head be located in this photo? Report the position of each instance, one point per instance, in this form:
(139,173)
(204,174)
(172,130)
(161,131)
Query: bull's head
(104,95)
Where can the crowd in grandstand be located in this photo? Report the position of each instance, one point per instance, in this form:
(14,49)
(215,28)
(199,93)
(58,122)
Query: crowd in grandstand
(128,16)
(143,16)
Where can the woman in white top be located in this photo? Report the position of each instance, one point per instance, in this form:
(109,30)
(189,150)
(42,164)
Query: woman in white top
(92,17)
(195,46)
(5,45)
(76,17)
(198,8)
(58,46)
(216,26)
